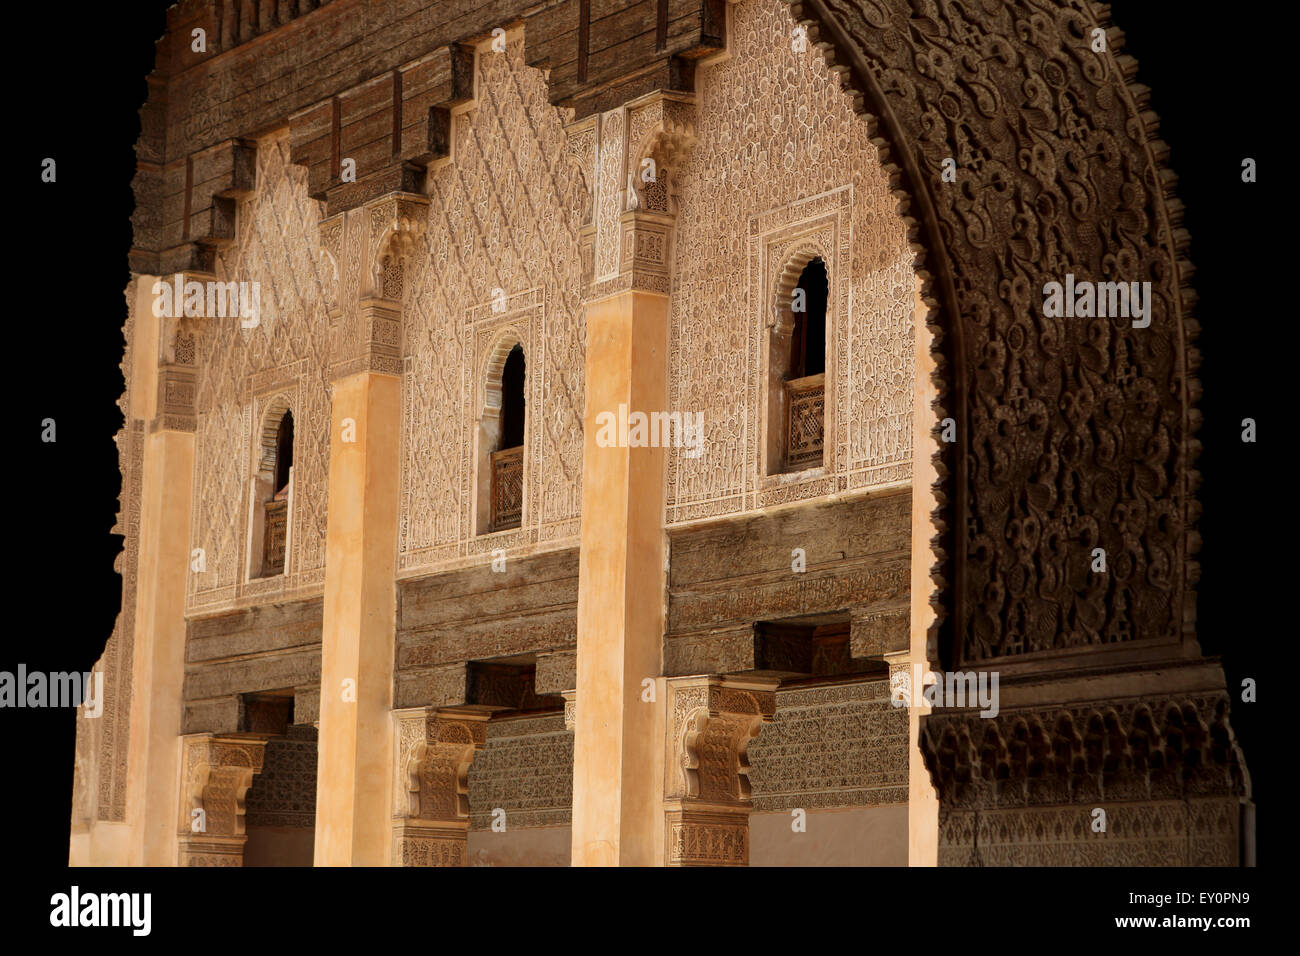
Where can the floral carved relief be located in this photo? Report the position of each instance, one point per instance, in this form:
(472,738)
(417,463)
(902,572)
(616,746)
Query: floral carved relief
(500,250)
(1072,434)
(779,163)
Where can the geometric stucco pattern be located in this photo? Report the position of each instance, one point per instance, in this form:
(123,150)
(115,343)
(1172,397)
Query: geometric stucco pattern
(1072,433)
(284,793)
(783,170)
(248,376)
(503,215)
(526,769)
(837,746)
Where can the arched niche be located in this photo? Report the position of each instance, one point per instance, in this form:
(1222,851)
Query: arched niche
(800,408)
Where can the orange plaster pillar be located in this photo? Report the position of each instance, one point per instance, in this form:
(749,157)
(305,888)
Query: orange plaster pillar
(617,774)
(353,796)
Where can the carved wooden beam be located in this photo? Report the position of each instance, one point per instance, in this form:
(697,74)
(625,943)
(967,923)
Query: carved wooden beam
(381,135)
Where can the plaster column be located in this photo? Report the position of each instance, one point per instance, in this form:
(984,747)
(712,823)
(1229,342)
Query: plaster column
(620,588)
(163,398)
(621,578)
(354,779)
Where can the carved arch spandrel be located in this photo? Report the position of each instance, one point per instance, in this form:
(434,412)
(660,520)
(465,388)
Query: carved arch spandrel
(1014,93)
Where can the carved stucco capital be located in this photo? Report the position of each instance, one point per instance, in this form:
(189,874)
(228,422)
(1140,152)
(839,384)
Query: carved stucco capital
(435,748)
(216,773)
(710,723)
(626,157)
(363,256)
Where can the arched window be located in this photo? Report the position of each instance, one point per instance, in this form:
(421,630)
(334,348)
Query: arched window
(797,372)
(271,493)
(808,342)
(501,442)
(512,400)
(283,455)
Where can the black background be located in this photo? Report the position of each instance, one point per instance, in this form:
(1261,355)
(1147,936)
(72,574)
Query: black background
(76,81)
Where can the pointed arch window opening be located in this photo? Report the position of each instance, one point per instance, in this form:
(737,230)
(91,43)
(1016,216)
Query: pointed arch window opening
(805,372)
(275,507)
(506,462)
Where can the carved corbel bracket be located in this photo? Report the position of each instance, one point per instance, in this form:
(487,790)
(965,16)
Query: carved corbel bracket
(900,679)
(216,772)
(711,721)
(661,134)
(397,226)
(435,748)
(570,709)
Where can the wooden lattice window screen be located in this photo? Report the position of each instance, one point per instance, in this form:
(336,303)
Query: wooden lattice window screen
(273,544)
(507,488)
(805,425)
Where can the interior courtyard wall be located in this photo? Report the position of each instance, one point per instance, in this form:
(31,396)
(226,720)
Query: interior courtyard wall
(781,161)
(241,371)
(501,259)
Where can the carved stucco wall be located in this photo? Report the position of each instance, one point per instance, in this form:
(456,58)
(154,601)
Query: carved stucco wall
(781,163)
(503,214)
(99,775)
(843,745)
(525,769)
(242,372)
